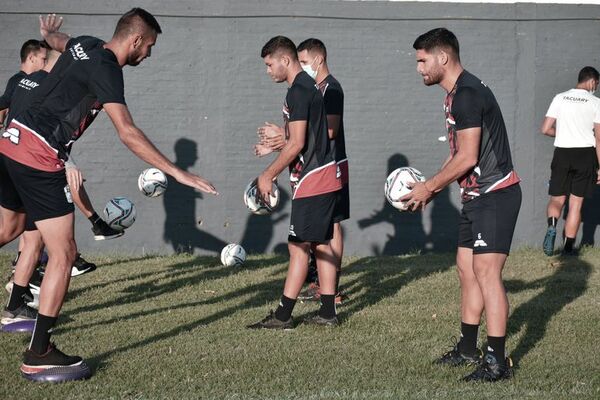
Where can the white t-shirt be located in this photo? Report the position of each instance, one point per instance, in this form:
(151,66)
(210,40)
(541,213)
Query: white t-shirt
(576,111)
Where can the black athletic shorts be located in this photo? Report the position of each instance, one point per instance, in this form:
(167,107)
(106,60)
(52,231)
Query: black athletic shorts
(487,223)
(41,194)
(342,204)
(574,171)
(312,218)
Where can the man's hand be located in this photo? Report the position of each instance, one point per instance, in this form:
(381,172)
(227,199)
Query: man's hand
(74,178)
(264,185)
(49,24)
(272,136)
(197,182)
(418,197)
(261,150)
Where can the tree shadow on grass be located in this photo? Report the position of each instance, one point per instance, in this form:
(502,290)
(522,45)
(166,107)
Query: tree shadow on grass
(564,286)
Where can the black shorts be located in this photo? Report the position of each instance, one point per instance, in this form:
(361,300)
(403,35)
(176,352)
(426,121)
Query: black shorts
(342,204)
(312,218)
(487,223)
(41,194)
(574,171)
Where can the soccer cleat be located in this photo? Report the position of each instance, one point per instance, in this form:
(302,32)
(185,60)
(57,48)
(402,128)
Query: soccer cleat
(549,241)
(22,313)
(490,370)
(318,320)
(80,266)
(270,322)
(455,358)
(53,366)
(311,293)
(102,231)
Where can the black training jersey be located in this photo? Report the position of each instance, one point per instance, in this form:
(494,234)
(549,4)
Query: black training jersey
(314,170)
(23,93)
(6,98)
(471,104)
(333,96)
(85,77)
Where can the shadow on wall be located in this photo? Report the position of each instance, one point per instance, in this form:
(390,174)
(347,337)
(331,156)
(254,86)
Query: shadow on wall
(181,225)
(259,228)
(590,218)
(409,235)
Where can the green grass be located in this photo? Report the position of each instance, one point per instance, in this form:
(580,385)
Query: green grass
(173,327)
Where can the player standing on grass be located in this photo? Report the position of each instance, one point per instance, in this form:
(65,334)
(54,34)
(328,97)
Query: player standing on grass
(480,161)
(312,55)
(573,118)
(314,179)
(88,76)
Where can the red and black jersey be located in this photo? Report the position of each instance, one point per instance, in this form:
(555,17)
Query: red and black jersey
(471,104)
(22,94)
(7,96)
(314,171)
(85,77)
(333,97)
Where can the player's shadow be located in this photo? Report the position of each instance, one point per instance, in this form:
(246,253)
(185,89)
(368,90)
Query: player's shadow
(259,228)
(181,225)
(565,285)
(590,218)
(409,235)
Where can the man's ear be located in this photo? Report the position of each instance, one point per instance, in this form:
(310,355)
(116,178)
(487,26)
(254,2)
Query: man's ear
(137,42)
(443,57)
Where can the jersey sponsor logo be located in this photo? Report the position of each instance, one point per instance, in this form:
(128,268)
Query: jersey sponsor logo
(479,242)
(78,52)
(12,134)
(28,84)
(575,99)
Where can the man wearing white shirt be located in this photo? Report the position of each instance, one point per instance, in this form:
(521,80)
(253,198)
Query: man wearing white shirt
(573,119)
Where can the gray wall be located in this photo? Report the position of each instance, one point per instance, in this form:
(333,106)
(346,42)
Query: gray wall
(205,84)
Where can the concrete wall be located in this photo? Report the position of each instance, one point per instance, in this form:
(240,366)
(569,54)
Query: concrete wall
(205,87)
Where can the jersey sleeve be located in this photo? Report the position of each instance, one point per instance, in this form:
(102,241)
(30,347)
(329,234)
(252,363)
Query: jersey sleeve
(8,93)
(334,101)
(467,109)
(554,108)
(298,102)
(107,84)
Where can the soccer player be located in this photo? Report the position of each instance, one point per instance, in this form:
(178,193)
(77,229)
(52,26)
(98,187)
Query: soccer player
(87,76)
(312,55)
(573,119)
(480,161)
(314,180)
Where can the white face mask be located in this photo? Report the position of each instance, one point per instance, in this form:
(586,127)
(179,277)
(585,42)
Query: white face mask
(310,71)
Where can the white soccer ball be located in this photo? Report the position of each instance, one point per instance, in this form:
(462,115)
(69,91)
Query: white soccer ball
(152,182)
(233,255)
(396,185)
(257,206)
(119,213)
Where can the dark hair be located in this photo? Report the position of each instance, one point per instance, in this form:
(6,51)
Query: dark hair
(313,44)
(279,44)
(130,20)
(588,73)
(438,38)
(32,46)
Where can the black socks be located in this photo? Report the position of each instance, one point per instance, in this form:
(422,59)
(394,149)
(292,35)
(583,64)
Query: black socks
(496,347)
(41,334)
(286,306)
(16,297)
(468,339)
(552,221)
(327,309)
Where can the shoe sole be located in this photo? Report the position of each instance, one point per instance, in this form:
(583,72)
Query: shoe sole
(103,237)
(548,245)
(25,326)
(56,374)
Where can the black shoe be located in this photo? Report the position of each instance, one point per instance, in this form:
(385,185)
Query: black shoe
(80,266)
(53,366)
(455,358)
(318,320)
(310,294)
(22,313)
(102,231)
(490,370)
(270,322)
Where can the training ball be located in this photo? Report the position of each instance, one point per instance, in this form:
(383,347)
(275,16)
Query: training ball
(396,185)
(119,213)
(257,206)
(152,182)
(233,255)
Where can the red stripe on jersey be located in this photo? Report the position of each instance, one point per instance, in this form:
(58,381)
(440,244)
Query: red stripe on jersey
(25,146)
(325,179)
(511,179)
